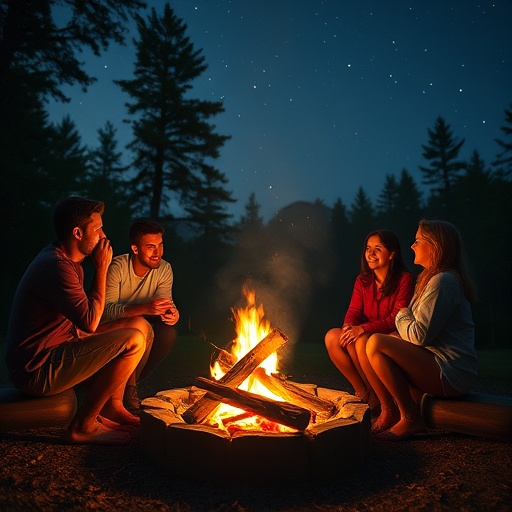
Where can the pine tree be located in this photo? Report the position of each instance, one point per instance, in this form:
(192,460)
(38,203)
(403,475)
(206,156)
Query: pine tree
(105,180)
(251,220)
(33,43)
(173,140)
(66,161)
(362,214)
(503,161)
(386,202)
(442,151)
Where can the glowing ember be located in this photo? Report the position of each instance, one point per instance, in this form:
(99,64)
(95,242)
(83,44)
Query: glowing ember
(251,327)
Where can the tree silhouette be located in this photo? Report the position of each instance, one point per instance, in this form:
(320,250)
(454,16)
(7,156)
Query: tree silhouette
(252,219)
(105,179)
(362,215)
(173,140)
(386,202)
(504,158)
(33,43)
(442,152)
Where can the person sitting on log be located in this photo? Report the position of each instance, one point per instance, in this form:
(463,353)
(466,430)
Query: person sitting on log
(383,287)
(435,353)
(54,340)
(140,283)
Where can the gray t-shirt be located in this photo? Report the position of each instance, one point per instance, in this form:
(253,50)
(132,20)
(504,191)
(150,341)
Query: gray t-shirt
(125,287)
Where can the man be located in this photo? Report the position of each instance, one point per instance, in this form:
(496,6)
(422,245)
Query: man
(140,283)
(54,341)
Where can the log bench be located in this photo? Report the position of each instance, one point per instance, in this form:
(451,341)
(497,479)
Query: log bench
(475,414)
(20,411)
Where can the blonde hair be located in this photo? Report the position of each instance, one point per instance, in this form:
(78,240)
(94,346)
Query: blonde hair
(446,254)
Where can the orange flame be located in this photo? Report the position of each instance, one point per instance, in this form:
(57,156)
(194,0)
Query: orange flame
(251,327)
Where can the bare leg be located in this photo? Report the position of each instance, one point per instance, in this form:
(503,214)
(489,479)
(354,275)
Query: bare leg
(398,365)
(133,322)
(344,362)
(389,413)
(104,397)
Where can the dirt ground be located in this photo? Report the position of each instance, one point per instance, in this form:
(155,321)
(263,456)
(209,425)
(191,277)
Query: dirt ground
(439,471)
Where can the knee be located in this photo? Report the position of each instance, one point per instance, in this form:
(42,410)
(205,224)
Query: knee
(136,340)
(331,339)
(373,344)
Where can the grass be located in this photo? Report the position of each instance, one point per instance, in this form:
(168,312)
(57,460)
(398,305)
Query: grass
(191,356)
(301,359)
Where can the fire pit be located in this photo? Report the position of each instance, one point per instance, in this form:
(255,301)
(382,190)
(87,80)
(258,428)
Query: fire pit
(201,452)
(249,423)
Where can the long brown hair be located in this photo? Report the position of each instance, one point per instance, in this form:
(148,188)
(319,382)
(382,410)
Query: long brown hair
(396,265)
(446,254)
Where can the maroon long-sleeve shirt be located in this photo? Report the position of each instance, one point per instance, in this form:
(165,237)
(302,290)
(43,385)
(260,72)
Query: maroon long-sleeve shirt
(49,306)
(373,311)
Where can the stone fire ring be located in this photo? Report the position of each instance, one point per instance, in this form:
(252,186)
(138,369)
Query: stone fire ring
(199,452)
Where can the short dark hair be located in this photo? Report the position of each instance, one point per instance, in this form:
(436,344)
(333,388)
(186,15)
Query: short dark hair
(74,211)
(141,227)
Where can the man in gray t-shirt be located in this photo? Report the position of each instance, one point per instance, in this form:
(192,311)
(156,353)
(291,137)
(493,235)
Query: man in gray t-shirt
(140,284)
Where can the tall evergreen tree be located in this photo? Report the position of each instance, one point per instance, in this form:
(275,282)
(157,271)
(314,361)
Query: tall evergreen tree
(105,180)
(67,161)
(252,219)
(173,140)
(386,202)
(442,152)
(33,42)
(362,215)
(503,161)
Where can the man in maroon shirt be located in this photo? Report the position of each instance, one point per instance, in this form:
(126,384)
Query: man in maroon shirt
(54,340)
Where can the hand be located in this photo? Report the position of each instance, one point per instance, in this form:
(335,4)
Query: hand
(171,315)
(101,255)
(349,334)
(158,307)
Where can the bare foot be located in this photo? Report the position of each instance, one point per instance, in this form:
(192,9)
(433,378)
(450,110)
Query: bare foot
(407,427)
(115,411)
(98,434)
(113,425)
(388,417)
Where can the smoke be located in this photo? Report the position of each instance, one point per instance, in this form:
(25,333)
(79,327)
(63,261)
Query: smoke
(285,263)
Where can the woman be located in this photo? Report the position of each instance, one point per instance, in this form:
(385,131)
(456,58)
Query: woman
(436,353)
(383,287)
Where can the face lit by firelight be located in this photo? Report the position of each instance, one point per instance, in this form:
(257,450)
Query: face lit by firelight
(149,251)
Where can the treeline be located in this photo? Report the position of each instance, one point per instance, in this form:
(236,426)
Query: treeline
(302,263)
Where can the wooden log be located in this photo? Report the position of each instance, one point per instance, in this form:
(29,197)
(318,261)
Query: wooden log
(281,412)
(223,358)
(474,414)
(294,394)
(201,409)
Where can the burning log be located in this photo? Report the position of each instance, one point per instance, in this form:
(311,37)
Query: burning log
(279,386)
(280,412)
(199,411)
(294,394)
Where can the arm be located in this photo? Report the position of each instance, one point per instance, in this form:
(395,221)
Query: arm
(152,296)
(424,322)
(84,310)
(354,314)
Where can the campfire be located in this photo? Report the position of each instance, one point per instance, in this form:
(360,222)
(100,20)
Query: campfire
(248,409)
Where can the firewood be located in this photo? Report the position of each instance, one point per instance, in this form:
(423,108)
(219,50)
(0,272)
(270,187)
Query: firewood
(201,409)
(280,412)
(294,394)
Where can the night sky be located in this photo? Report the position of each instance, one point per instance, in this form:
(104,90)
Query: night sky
(322,97)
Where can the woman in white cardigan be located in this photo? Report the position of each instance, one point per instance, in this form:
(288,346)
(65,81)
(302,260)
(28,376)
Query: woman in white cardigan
(435,352)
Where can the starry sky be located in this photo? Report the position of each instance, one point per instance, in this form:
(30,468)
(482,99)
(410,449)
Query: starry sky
(324,97)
